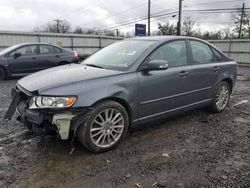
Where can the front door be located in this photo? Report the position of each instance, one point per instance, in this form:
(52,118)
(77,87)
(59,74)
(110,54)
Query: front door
(23,60)
(163,91)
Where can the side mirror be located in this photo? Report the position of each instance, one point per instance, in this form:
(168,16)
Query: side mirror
(16,55)
(155,65)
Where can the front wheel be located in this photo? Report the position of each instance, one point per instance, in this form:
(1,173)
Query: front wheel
(105,127)
(221,98)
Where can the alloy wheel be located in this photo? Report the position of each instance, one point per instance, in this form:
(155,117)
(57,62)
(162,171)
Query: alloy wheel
(222,97)
(107,127)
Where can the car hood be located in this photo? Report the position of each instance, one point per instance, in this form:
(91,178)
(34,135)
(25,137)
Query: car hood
(62,75)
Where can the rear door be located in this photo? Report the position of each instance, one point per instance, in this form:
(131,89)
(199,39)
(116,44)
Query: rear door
(204,72)
(163,91)
(26,62)
(49,56)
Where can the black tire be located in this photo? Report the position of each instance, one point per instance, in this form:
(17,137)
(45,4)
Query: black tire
(214,107)
(2,74)
(84,131)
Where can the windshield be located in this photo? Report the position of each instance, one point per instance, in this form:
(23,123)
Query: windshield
(6,50)
(118,56)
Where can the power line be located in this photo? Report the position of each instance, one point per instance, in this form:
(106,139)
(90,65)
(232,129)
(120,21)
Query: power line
(80,9)
(214,2)
(118,13)
(201,11)
(132,21)
(91,6)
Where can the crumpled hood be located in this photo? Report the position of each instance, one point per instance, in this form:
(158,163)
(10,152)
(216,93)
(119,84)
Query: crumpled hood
(61,75)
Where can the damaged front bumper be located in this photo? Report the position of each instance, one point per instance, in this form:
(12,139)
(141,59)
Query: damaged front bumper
(62,121)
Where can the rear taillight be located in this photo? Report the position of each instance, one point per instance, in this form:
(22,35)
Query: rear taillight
(75,54)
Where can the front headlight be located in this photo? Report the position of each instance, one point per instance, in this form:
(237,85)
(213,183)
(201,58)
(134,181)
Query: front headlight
(51,102)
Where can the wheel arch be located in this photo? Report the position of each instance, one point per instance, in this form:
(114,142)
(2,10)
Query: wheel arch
(230,83)
(122,102)
(5,71)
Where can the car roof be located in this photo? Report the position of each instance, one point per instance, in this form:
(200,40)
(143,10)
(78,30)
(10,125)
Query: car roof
(163,38)
(35,43)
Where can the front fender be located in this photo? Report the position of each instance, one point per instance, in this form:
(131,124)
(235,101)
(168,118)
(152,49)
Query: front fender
(123,86)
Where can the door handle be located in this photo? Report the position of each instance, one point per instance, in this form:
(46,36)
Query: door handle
(183,73)
(57,56)
(216,68)
(34,58)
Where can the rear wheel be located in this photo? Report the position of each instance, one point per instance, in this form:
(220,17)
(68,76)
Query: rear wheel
(105,128)
(2,74)
(221,98)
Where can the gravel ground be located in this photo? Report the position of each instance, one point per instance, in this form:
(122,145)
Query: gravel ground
(196,149)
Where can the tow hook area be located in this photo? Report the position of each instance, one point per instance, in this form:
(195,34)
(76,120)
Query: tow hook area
(62,121)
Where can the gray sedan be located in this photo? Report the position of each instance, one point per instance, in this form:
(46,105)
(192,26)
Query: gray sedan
(23,59)
(126,84)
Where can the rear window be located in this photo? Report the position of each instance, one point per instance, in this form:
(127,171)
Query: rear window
(58,50)
(217,55)
(201,52)
(47,49)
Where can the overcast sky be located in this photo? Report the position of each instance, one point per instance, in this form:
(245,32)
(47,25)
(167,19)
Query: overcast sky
(24,15)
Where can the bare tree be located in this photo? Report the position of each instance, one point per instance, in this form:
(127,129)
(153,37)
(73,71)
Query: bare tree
(227,33)
(62,27)
(167,29)
(212,35)
(78,30)
(188,26)
(242,21)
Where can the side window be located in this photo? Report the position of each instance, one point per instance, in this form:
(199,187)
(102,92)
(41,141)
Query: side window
(201,52)
(47,49)
(217,55)
(25,51)
(58,50)
(174,52)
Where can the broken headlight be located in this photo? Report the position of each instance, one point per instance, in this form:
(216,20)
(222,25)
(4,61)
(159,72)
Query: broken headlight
(51,102)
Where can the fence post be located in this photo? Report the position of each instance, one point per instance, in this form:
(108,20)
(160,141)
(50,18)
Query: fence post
(100,42)
(229,47)
(72,42)
(39,37)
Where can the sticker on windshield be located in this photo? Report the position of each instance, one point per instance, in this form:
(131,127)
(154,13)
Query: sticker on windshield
(127,52)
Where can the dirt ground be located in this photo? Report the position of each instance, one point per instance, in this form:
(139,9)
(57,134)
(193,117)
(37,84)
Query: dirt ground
(196,149)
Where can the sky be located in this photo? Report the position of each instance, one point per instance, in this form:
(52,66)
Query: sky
(25,15)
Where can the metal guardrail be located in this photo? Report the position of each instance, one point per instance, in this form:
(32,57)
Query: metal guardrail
(237,49)
(82,43)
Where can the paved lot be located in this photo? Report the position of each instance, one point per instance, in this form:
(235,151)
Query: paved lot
(197,149)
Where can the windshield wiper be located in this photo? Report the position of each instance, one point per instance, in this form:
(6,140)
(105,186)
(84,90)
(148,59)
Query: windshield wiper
(93,65)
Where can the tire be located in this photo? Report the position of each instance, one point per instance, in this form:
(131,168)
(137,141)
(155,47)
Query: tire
(217,106)
(2,74)
(105,127)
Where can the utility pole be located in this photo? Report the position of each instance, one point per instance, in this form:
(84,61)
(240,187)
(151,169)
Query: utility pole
(117,32)
(241,19)
(149,5)
(57,24)
(179,19)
